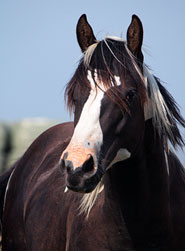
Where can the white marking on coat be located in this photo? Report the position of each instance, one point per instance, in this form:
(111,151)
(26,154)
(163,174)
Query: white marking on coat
(7,187)
(121,155)
(66,189)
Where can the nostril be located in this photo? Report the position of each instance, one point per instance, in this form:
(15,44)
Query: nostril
(69,165)
(68,169)
(88,166)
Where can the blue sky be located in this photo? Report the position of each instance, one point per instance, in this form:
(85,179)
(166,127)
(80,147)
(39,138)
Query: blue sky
(39,52)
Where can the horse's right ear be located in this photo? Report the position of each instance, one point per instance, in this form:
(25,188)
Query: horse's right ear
(84,32)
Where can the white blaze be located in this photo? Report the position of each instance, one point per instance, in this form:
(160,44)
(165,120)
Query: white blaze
(88,130)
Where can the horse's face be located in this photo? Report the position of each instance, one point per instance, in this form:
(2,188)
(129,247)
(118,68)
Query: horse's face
(104,132)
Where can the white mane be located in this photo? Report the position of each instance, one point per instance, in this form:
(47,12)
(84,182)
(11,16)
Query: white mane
(155,108)
(88,54)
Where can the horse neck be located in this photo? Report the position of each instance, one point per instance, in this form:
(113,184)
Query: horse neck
(140,185)
(147,170)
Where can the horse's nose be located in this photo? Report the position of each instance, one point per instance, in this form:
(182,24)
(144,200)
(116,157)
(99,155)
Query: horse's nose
(80,167)
(77,175)
(85,168)
(69,166)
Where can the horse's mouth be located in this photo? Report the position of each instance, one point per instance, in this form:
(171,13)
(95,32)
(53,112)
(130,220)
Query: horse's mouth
(81,189)
(80,184)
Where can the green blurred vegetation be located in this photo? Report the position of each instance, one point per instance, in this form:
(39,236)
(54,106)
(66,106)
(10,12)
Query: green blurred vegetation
(16,137)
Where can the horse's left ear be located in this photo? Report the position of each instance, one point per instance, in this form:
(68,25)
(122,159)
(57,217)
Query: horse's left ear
(84,33)
(135,37)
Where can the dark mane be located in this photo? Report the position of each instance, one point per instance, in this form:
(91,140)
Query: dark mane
(175,119)
(110,57)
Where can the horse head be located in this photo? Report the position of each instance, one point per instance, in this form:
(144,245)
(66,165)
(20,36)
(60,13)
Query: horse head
(107,94)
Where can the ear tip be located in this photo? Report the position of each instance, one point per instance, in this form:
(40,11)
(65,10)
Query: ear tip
(135,17)
(83,16)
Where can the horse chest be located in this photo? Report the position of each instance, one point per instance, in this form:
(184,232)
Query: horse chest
(101,231)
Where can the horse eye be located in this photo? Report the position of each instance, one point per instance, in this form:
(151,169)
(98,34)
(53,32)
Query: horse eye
(130,96)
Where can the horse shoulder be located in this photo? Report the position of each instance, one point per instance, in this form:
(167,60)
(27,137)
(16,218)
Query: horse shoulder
(34,177)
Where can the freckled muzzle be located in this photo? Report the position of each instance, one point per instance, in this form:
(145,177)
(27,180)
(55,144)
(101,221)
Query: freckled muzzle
(80,165)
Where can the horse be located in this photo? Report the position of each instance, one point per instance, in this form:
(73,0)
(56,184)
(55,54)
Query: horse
(110,180)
